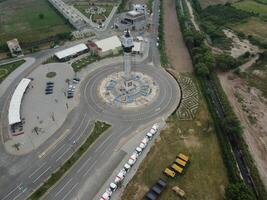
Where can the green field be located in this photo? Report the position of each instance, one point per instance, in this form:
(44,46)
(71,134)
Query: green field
(205,177)
(254,26)
(252,6)
(21,19)
(6,69)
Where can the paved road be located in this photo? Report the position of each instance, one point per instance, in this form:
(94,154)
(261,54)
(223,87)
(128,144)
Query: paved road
(18,178)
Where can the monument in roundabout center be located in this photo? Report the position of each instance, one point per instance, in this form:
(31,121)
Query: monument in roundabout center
(127,88)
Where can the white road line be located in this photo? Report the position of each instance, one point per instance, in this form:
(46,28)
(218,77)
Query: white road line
(41,174)
(37,170)
(10,193)
(103,143)
(57,150)
(90,168)
(64,186)
(63,154)
(78,171)
(83,130)
(17,196)
(74,134)
(107,148)
(70,191)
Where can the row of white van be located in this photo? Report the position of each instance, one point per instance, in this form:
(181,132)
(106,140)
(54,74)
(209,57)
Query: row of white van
(132,160)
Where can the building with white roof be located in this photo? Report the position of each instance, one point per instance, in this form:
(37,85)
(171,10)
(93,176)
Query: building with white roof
(15,103)
(71,52)
(108,45)
(137,47)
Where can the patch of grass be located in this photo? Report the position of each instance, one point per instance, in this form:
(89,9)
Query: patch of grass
(251,6)
(254,26)
(20,19)
(51,74)
(6,69)
(205,177)
(99,128)
(83,62)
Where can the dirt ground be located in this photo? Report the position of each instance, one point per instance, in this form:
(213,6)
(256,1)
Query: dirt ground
(176,49)
(251,109)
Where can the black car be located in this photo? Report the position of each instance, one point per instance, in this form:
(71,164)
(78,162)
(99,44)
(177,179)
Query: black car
(49,83)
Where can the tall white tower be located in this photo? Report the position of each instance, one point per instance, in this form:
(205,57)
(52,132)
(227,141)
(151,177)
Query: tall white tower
(127,45)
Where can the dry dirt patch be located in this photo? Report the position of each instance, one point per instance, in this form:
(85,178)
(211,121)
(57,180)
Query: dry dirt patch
(176,49)
(251,109)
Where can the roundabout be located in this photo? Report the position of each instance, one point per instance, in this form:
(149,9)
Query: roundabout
(165,96)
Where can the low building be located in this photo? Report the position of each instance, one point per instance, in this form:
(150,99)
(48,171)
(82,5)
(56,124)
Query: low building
(14,48)
(15,102)
(107,46)
(135,19)
(71,52)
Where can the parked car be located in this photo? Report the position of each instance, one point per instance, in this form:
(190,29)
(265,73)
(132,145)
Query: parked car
(113,187)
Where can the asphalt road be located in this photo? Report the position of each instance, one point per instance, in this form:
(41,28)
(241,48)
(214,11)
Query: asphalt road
(19,176)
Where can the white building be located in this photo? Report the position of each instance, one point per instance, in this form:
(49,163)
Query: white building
(71,52)
(108,45)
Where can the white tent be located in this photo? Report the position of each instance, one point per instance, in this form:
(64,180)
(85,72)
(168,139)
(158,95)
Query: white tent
(14,107)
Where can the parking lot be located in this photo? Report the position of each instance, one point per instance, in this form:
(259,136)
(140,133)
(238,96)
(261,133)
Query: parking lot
(46,104)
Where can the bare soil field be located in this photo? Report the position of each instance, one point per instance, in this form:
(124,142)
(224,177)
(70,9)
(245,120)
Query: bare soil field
(176,49)
(251,109)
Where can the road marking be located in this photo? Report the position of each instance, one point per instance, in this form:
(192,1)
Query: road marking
(78,171)
(17,196)
(10,193)
(58,150)
(53,145)
(37,170)
(79,126)
(103,143)
(90,168)
(64,186)
(70,191)
(63,154)
(83,130)
(107,148)
(41,174)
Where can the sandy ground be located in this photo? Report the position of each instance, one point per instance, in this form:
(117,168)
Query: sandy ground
(176,49)
(239,47)
(249,104)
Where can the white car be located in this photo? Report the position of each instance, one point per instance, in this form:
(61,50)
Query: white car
(120,176)
(105,196)
(149,135)
(133,159)
(155,126)
(138,150)
(127,167)
(113,187)
(143,143)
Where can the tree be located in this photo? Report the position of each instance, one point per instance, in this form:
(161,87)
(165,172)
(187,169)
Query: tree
(226,62)
(41,16)
(232,124)
(238,191)
(202,69)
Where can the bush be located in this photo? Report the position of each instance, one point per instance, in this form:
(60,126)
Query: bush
(238,191)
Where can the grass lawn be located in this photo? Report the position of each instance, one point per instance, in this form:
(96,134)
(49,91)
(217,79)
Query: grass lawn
(20,19)
(253,26)
(205,178)
(251,6)
(6,69)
